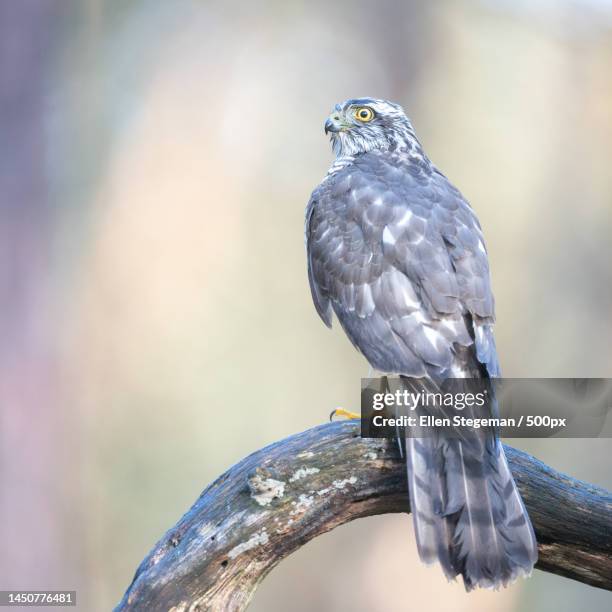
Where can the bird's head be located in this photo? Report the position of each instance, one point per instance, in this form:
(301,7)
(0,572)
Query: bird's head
(363,124)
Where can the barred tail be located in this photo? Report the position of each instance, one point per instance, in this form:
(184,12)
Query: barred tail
(468,513)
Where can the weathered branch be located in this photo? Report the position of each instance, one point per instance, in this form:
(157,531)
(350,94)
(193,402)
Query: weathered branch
(280,497)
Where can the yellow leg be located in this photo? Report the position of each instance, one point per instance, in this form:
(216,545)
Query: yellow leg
(341,412)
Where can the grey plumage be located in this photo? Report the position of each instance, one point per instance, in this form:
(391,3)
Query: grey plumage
(398,255)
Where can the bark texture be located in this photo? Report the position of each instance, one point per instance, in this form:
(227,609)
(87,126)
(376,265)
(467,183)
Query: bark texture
(280,497)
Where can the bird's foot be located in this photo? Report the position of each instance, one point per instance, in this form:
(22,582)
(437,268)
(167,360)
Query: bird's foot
(341,412)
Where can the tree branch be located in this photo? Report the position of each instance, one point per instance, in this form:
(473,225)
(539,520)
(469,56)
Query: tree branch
(282,496)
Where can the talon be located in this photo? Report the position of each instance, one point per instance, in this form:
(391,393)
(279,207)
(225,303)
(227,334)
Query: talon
(341,412)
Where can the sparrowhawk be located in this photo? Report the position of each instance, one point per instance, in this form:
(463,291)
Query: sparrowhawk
(398,255)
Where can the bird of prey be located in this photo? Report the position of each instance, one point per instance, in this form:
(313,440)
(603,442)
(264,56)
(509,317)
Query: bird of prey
(397,253)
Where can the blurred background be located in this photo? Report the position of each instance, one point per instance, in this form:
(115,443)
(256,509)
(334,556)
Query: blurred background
(156,322)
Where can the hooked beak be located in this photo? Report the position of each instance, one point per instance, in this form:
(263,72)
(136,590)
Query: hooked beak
(334,124)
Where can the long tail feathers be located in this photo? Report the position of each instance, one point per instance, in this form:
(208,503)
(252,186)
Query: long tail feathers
(468,514)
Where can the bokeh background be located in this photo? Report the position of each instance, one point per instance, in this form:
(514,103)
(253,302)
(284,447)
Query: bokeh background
(156,324)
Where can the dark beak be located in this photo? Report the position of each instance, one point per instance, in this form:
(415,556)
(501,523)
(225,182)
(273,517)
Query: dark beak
(330,126)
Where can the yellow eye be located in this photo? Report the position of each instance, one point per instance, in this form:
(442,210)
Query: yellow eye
(363,114)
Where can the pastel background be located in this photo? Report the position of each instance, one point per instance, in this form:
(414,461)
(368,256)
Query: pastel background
(155,319)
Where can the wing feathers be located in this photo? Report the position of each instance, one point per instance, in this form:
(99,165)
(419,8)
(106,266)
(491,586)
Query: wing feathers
(398,254)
